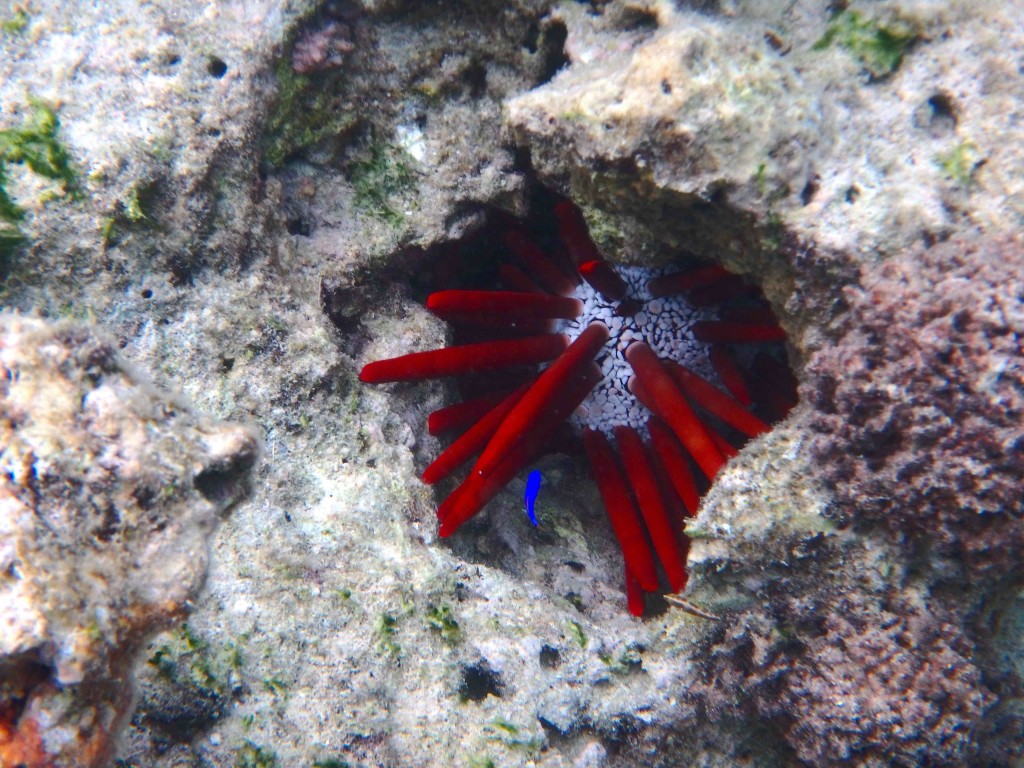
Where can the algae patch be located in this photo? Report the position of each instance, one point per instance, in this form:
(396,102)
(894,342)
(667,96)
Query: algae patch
(879,46)
(304,114)
(34,144)
(380,180)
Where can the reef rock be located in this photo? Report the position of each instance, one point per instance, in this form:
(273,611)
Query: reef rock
(919,405)
(109,493)
(870,639)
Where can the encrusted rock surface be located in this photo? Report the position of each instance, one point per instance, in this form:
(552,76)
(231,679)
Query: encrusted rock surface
(920,404)
(109,494)
(263,187)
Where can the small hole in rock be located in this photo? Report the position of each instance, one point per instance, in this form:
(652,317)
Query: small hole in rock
(776,42)
(852,193)
(942,105)
(146,293)
(296,226)
(216,67)
(549,657)
(532,37)
(810,189)
(219,482)
(475,78)
(641,19)
(936,115)
(479,681)
(552,50)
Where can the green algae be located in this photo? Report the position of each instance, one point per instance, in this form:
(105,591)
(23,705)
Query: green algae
(251,755)
(189,661)
(379,178)
(385,630)
(576,632)
(441,621)
(960,163)
(303,114)
(33,144)
(878,46)
(16,22)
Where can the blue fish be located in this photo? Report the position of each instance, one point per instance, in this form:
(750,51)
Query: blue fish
(532,489)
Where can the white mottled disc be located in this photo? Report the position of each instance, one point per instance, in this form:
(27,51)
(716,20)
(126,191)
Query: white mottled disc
(666,325)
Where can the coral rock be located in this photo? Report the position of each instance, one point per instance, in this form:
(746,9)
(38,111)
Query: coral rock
(109,493)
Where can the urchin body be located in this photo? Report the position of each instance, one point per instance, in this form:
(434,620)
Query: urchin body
(658,371)
(664,323)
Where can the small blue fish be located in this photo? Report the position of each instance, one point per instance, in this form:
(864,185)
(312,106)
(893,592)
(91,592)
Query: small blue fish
(532,489)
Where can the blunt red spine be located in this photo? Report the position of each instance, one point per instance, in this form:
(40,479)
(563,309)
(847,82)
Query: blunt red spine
(652,507)
(673,408)
(468,358)
(714,401)
(723,332)
(546,396)
(622,512)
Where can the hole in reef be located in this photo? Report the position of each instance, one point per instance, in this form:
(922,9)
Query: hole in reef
(549,657)
(220,481)
(531,39)
(936,115)
(296,225)
(636,19)
(552,51)
(810,189)
(475,78)
(479,681)
(715,350)
(216,67)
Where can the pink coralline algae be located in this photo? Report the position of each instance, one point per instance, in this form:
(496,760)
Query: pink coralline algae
(879,650)
(323,48)
(871,685)
(919,405)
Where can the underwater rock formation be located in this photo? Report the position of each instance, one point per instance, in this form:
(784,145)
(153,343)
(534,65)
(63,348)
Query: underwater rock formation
(109,493)
(225,196)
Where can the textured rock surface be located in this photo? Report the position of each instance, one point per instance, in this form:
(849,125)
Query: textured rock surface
(109,493)
(690,112)
(252,234)
(920,404)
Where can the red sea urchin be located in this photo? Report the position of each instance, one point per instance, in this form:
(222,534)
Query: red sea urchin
(664,373)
